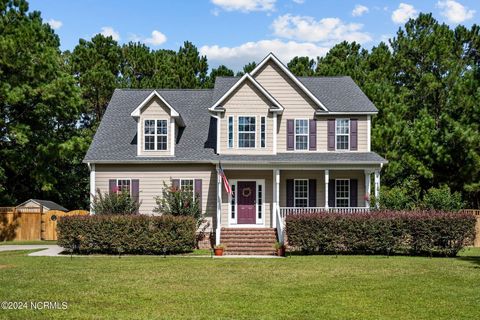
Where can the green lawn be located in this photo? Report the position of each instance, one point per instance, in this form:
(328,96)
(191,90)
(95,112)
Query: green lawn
(4,243)
(298,287)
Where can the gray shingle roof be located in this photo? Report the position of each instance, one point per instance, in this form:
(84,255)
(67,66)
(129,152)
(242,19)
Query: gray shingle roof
(116,140)
(338,94)
(47,204)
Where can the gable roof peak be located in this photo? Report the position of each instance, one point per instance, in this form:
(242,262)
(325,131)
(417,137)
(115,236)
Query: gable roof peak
(174,113)
(284,68)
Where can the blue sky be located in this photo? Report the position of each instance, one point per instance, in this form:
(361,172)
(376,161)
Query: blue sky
(234,32)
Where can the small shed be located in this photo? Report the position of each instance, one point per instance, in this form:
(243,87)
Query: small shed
(46,205)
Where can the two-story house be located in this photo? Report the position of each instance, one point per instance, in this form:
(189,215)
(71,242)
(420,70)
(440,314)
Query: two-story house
(286,144)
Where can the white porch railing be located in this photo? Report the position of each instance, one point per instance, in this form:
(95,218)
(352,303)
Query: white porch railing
(285,211)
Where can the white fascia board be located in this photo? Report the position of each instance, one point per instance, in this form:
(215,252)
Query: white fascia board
(217,105)
(271,56)
(174,113)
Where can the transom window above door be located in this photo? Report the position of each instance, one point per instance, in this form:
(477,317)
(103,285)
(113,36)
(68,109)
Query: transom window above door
(301,134)
(246,132)
(155,135)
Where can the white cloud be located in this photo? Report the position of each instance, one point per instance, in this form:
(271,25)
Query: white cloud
(326,30)
(237,57)
(110,32)
(156,39)
(245,5)
(55,24)
(359,10)
(403,13)
(454,11)
(299,1)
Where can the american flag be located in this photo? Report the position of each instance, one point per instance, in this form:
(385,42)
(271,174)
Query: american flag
(226,185)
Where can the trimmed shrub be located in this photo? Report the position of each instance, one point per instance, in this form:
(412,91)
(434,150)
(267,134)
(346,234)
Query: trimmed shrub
(127,234)
(382,232)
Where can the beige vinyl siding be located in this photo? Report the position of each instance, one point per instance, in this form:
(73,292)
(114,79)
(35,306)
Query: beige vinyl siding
(246,100)
(319,175)
(296,103)
(299,106)
(155,110)
(151,178)
(267,175)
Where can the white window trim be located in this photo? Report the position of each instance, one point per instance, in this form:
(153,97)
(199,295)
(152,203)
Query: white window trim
(264,131)
(348,197)
(348,135)
(129,179)
(155,135)
(238,134)
(233,132)
(193,185)
(259,222)
(294,193)
(295,134)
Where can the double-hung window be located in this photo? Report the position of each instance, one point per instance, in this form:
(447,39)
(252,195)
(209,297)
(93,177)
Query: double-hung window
(342,193)
(123,185)
(187,185)
(246,132)
(156,134)
(342,131)
(301,192)
(301,134)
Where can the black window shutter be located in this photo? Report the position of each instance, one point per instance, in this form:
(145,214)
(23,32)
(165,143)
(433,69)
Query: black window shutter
(198,192)
(112,186)
(290,193)
(331,193)
(312,193)
(353,193)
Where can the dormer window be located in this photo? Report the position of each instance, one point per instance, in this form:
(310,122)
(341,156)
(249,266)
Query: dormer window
(156,134)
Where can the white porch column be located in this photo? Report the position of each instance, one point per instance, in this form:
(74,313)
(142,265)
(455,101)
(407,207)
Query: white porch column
(377,188)
(327,177)
(92,186)
(367,187)
(219,206)
(276,201)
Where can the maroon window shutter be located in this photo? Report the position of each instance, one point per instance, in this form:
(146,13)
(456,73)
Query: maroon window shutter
(313,135)
(353,134)
(312,192)
(198,192)
(112,186)
(176,183)
(331,193)
(290,193)
(136,190)
(290,134)
(331,134)
(353,193)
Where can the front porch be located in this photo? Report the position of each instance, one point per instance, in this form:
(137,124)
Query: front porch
(263,198)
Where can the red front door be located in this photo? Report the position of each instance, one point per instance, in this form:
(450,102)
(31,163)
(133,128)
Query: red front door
(246,205)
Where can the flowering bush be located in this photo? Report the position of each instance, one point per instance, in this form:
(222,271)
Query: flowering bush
(382,232)
(114,203)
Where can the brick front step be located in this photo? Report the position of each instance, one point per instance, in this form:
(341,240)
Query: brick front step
(248,241)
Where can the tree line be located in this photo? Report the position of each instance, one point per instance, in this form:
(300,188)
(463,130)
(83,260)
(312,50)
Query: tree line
(424,81)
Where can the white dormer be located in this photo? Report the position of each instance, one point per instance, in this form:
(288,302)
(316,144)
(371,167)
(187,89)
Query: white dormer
(157,123)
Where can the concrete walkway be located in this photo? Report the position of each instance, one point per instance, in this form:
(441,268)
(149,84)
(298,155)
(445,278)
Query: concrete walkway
(50,250)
